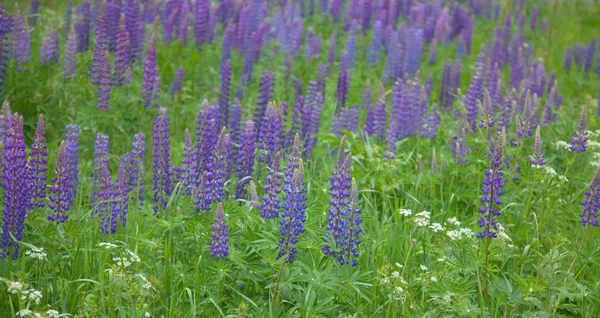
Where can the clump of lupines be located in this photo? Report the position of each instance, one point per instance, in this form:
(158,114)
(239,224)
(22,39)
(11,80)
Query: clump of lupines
(492,189)
(151,79)
(162,177)
(245,157)
(589,213)
(271,202)
(60,197)
(538,153)
(15,188)
(220,236)
(177,80)
(72,157)
(293,215)
(38,164)
(579,141)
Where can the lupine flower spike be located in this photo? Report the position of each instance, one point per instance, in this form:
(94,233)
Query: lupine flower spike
(293,215)
(538,153)
(37,165)
(60,199)
(270,207)
(579,141)
(589,213)
(492,189)
(219,246)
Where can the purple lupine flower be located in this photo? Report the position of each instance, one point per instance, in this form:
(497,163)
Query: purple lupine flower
(376,43)
(120,202)
(321,79)
(22,49)
(98,178)
(68,16)
(589,213)
(38,164)
(177,80)
(492,189)
(133,21)
(215,172)
(49,52)
(354,228)
(379,118)
(271,202)
(579,141)
(136,166)
(350,49)
(332,48)
(245,157)
(589,55)
(100,46)
(414,50)
(341,177)
(103,79)
(187,161)
(15,188)
(471,100)
(182,32)
(269,135)
(233,125)
(60,197)
(219,245)
(228,42)
(122,71)
(265,95)
(537,158)
(82,26)
(202,15)
(293,215)
(343,84)
(207,134)
(432,55)
(314,107)
(533,18)
(72,157)
(162,177)
(33,13)
(113,15)
(106,195)
(225,92)
(151,80)
(5,120)
(568,58)
(70,54)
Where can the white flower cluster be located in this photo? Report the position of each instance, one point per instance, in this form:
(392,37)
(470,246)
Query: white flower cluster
(562,145)
(405,212)
(422,218)
(436,227)
(458,233)
(501,233)
(107,245)
(596,161)
(126,260)
(592,145)
(32,295)
(550,172)
(146,285)
(50,313)
(14,287)
(36,253)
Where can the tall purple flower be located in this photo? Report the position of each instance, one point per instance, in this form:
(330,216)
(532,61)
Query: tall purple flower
(219,245)
(201,27)
(162,177)
(122,55)
(70,54)
(207,134)
(49,52)
(245,157)
(15,188)
(471,101)
(72,158)
(492,189)
(537,158)
(343,84)
(265,95)
(269,135)
(38,164)
(135,167)
(224,94)
(60,197)
(270,208)
(82,26)
(187,161)
(151,79)
(589,213)
(293,215)
(22,48)
(120,200)
(177,81)
(133,22)
(103,80)
(579,141)
(216,170)
(100,46)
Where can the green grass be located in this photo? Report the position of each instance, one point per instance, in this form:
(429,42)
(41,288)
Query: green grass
(537,270)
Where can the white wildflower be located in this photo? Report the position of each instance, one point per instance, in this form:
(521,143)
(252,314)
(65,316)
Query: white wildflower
(33,295)
(38,315)
(147,314)
(441,259)
(399,265)
(562,145)
(395,274)
(15,287)
(592,145)
(453,221)
(147,284)
(24,313)
(52,313)
(502,233)
(107,245)
(423,268)
(563,179)
(436,227)
(422,218)
(454,235)
(434,279)
(133,256)
(466,232)
(36,252)
(447,297)
(405,212)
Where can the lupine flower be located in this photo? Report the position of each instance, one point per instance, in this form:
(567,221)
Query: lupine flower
(321,78)
(5,120)
(23,45)
(343,84)
(202,13)
(414,50)
(15,188)
(589,55)
(162,177)
(233,125)
(538,153)
(579,141)
(82,26)
(133,22)
(177,81)
(187,170)
(350,250)
(376,42)
(70,54)
(492,189)
(122,55)
(269,135)
(60,197)
(207,134)
(100,167)
(151,79)
(245,157)
(135,167)
(471,100)
(533,18)
(38,164)
(72,158)
(568,58)
(33,13)
(49,52)
(293,215)
(199,194)
(106,195)
(100,47)
(271,202)
(103,79)
(219,246)
(215,171)
(589,213)
(265,95)
(225,92)
(332,48)
(120,201)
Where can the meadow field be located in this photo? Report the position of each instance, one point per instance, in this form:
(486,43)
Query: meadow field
(299,158)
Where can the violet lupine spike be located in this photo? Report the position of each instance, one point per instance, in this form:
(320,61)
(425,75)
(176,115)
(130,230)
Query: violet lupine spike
(579,141)
(100,166)
(293,215)
(15,188)
(68,16)
(70,54)
(379,118)
(136,166)
(121,198)
(265,95)
(233,125)
(72,157)
(202,16)
(269,135)
(207,134)
(177,81)
(332,49)
(225,92)
(568,58)
(589,213)
(343,84)
(414,51)
(216,171)
(60,197)
(271,201)
(322,78)
(23,45)
(376,43)
(316,106)
(492,189)
(49,52)
(187,162)
(354,227)
(105,207)
(589,56)
(133,21)
(122,70)
(113,15)
(220,236)
(471,100)
(38,164)
(100,46)
(162,177)
(537,158)
(151,83)
(82,26)
(103,79)
(533,18)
